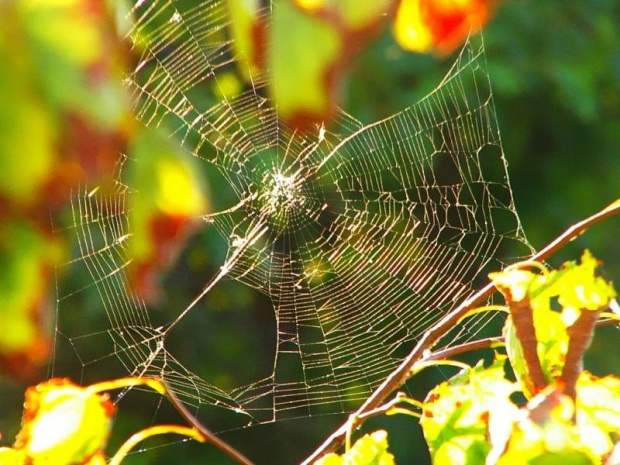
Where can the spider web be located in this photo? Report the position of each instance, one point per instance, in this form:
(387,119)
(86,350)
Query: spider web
(361,235)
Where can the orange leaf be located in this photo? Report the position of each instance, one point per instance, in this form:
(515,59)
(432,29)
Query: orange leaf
(439,26)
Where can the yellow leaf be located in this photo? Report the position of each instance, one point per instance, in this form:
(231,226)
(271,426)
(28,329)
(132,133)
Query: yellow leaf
(311,5)
(170,199)
(63,423)
(26,129)
(358,15)
(178,193)
(598,411)
(62,26)
(227,86)
(581,289)
(410,29)
(457,413)
(9,456)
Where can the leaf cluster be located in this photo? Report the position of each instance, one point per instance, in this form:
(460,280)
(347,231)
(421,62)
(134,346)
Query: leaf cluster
(570,415)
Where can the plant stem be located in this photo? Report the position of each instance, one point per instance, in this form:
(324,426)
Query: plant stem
(398,377)
(208,435)
(153,431)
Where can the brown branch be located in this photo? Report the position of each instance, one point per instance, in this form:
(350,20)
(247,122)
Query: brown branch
(442,354)
(579,339)
(210,437)
(523,320)
(398,377)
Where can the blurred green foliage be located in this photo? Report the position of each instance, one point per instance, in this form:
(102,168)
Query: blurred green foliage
(63,118)
(555,72)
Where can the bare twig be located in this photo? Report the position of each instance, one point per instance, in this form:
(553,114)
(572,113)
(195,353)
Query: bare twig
(489,342)
(398,377)
(390,405)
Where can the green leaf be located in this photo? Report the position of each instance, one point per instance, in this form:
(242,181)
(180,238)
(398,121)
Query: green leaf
(67,42)
(457,413)
(303,55)
(370,449)
(249,34)
(27,259)
(27,126)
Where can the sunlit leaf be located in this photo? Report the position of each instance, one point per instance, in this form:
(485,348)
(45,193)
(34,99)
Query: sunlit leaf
(598,411)
(63,423)
(581,289)
(66,424)
(370,449)
(515,283)
(576,287)
(457,413)
(544,434)
(10,456)
(312,5)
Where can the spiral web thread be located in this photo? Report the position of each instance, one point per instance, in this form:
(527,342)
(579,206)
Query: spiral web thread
(362,236)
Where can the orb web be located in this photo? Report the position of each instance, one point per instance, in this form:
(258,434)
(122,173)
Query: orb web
(361,235)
